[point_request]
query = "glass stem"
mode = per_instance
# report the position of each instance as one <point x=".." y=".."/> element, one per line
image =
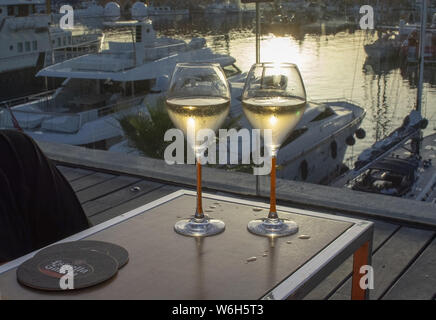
<point x="199" y="212"/>
<point x="272" y="204"/>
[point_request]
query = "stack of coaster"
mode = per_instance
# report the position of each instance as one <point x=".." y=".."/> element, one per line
<point x="72" y="265"/>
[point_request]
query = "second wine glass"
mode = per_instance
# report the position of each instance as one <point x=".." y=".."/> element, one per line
<point x="273" y="100"/>
<point x="198" y="99"/>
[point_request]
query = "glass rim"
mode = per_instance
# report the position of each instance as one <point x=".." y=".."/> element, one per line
<point x="198" y="64"/>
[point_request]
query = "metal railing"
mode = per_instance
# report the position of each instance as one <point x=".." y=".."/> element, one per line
<point x="21" y="100"/>
<point x="83" y="117"/>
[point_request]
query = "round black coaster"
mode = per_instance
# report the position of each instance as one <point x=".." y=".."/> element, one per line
<point x="43" y="271"/>
<point x="119" y="253"/>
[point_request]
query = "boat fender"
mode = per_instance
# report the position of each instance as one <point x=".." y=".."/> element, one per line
<point x="304" y="170"/>
<point x="360" y="133"/>
<point x="350" y="141"/>
<point x="334" y="149"/>
<point x="423" y="123"/>
<point x="406" y="121"/>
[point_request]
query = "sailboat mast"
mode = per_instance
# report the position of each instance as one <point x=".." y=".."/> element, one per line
<point x="421" y="54"/>
<point x="418" y="140"/>
<point x="47" y="6"/>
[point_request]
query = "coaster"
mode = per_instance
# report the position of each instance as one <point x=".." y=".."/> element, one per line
<point x="119" y="253"/>
<point x="89" y="268"/>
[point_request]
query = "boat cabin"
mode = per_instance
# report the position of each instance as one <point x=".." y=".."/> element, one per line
<point x="18" y="8"/>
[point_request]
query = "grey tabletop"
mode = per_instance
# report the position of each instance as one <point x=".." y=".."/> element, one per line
<point x="166" y="265"/>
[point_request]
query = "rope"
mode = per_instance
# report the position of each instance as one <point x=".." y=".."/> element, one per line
<point x="14" y="120"/>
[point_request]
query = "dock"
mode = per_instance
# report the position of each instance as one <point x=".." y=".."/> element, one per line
<point x="404" y="245"/>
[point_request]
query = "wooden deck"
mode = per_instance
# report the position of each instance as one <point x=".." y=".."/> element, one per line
<point x="404" y="257"/>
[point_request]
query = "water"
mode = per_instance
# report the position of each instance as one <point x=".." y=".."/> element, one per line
<point x="332" y="65"/>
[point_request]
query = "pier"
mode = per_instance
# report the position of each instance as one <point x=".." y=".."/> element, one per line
<point x="404" y="243"/>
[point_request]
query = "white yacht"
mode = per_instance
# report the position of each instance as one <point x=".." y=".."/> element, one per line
<point x="101" y="87"/>
<point x="89" y="9"/>
<point x="29" y="41"/>
<point x="315" y="151"/>
<point x="166" y="11"/>
<point x="223" y="8"/>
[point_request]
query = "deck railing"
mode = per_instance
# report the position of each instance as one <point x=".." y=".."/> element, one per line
<point x="66" y="122"/>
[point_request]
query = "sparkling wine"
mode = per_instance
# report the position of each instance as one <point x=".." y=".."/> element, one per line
<point x="280" y="114"/>
<point x="197" y="113"/>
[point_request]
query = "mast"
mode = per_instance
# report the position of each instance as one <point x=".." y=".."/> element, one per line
<point x="421" y="54"/>
<point x="47" y="6"/>
<point x="421" y="67"/>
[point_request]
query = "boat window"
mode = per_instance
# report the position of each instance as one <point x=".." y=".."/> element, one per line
<point x="23" y="10"/>
<point x="11" y="48"/>
<point x="1" y="10"/>
<point x="35" y="45"/>
<point x="20" y="47"/>
<point x="65" y="41"/>
<point x="328" y="112"/>
<point x="231" y="70"/>
<point x="27" y="46"/>
<point x="10" y="10"/>
<point x="142" y="86"/>
<point x="59" y="42"/>
<point x="294" y="135"/>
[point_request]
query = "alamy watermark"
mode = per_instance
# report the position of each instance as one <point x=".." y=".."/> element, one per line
<point x="244" y="147"/>
<point x="367" y="20"/>
<point x="367" y="280"/>
<point x="66" y="282"/>
<point x="67" y="21"/>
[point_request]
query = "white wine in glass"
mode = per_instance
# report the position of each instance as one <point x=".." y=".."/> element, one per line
<point x="198" y="98"/>
<point x="274" y="98"/>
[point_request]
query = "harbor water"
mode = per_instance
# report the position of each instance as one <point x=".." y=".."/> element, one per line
<point x="333" y="64"/>
<point x="332" y="61"/>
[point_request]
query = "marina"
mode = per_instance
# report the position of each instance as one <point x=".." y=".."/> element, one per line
<point x="351" y="113"/>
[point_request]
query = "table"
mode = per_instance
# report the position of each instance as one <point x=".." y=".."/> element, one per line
<point x="166" y="265"/>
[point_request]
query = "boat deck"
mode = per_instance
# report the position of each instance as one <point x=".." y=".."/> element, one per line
<point x="425" y="189"/>
<point x="404" y="256"/>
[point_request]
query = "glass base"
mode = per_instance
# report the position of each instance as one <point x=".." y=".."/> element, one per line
<point x="199" y="227"/>
<point x="272" y="227"/>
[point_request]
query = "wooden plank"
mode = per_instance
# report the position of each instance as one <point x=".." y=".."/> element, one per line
<point x="382" y="232"/>
<point x="419" y="281"/>
<point x="90" y="180"/>
<point x="133" y="204"/>
<point x="391" y="261"/>
<point x="105" y="188"/>
<point x="72" y="174"/>
<point x="118" y="197"/>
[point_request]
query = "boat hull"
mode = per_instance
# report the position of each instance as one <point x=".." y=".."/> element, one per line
<point x="323" y="160"/>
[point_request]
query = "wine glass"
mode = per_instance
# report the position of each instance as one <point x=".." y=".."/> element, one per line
<point x="273" y="100"/>
<point x="198" y="98"/>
